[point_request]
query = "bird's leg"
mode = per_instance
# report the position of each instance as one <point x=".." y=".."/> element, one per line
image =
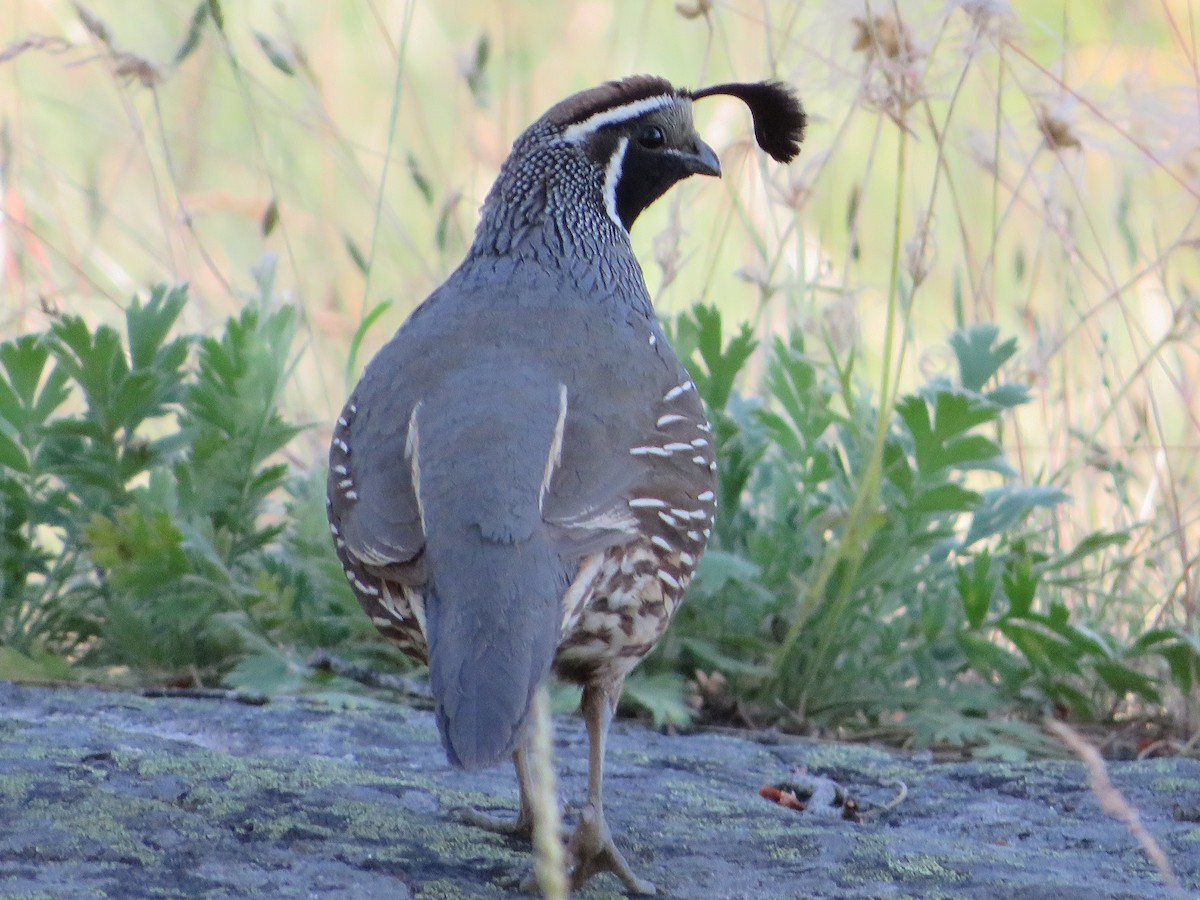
<point x="522" y="826"/>
<point x="591" y="846"/>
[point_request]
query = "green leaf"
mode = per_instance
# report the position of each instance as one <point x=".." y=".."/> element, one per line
<point x="1020" y="585"/>
<point x="269" y="671"/>
<point x="1089" y="546"/>
<point x="356" y="255"/>
<point x="1151" y="641"/>
<point x="718" y="365"/>
<point x="914" y="412"/>
<point x="1046" y="651"/>
<point x="270" y="218"/>
<point x="1007" y="396"/>
<point x="717" y="568"/>
<point x="195" y="31"/>
<point x="1007" y="506"/>
<point x="979" y="358"/>
<point x="11" y="454"/>
<point x="956" y="413"/>
<point x="279" y="57"/>
<point x="976" y="588"/>
<point x="986" y="658"/>
<point x="147" y="327"/>
<point x="973" y="451"/>
<point x="218" y="15"/>
<point x="1122" y="680"/>
<point x="710" y="657"/>
<point x="476" y="72"/>
<point x="662" y="695"/>
<point x="360" y="333"/>
<point x="40" y="666"/>
<point x="420" y="180"/>
<point x="946" y="498"/>
<point x="24" y="360"/>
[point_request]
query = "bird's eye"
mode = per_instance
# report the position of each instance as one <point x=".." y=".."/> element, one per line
<point x="651" y="137"/>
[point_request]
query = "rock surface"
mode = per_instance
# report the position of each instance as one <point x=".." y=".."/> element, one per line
<point x="118" y="795"/>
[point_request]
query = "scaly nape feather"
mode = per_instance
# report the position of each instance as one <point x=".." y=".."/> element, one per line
<point x="779" y="118"/>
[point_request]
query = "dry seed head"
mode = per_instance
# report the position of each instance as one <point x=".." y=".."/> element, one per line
<point x="892" y="78"/>
<point x="920" y="251"/>
<point x="883" y="33"/>
<point x="990" y="17"/>
<point x="1057" y="131"/>
<point x="131" y="67"/>
<point x="695" y="9"/>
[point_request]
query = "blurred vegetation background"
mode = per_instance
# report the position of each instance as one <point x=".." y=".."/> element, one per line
<point x="951" y="349"/>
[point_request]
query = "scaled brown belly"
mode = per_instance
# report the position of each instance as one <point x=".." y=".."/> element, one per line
<point x="390" y="606"/>
<point x="623" y="603"/>
<point x="619" y="607"/>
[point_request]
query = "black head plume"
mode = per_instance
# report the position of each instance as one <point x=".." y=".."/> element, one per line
<point x="779" y="118"/>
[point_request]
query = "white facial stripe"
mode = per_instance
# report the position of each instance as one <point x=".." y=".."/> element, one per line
<point x="612" y="175"/>
<point x="624" y="113"/>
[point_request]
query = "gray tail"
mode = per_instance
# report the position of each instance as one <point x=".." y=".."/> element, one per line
<point x="492" y="624"/>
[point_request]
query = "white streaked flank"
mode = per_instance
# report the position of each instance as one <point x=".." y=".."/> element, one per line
<point x="649" y="451"/>
<point x="647" y="502"/>
<point x="580" y="588"/>
<point x="677" y="391"/>
<point x="670" y="419"/>
<point x="412" y="451"/>
<point x="706" y="496"/>
<point x="667" y="578"/>
<point x="611" y="518"/>
<point x="662" y="543"/>
<point x="555" y="455"/>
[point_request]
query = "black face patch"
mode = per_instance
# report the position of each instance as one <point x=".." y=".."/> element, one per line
<point x="645" y="176"/>
<point x="660" y="149"/>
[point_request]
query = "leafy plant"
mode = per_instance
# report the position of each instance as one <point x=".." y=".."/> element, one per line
<point x="144" y="523"/>
<point x="950" y="611"/>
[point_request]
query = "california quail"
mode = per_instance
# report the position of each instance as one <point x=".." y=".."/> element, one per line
<point x="524" y="478"/>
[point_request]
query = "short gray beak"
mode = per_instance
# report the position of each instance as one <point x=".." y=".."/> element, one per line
<point x="703" y="160"/>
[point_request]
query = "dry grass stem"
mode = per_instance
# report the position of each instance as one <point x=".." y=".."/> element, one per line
<point x="549" y="859"/>
<point x="1113" y="802"/>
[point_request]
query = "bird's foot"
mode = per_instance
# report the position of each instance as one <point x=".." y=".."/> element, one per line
<point x="521" y="827"/>
<point x="592" y="851"/>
